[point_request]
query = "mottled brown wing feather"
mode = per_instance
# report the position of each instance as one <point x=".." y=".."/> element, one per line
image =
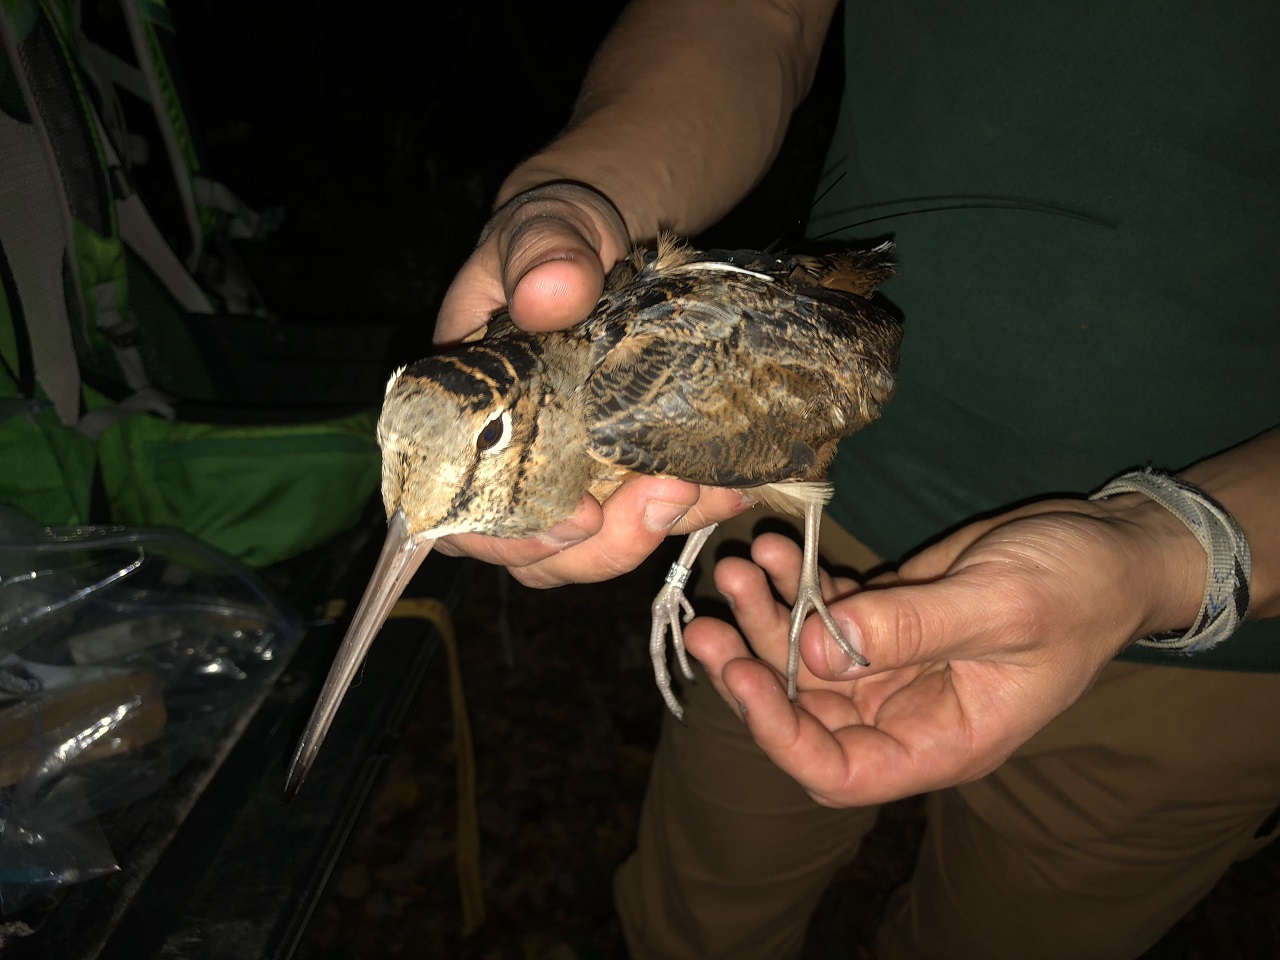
<point x="725" y="379"/>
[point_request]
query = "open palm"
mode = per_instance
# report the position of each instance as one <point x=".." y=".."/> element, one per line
<point x="975" y="644"/>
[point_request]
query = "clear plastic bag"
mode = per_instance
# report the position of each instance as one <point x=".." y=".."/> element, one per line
<point x="123" y="652"/>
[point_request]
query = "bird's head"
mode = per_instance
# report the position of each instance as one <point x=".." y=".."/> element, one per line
<point x="453" y="430"/>
<point x="452" y="442"/>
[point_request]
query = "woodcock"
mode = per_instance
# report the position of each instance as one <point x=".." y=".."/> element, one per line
<point x="731" y="369"/>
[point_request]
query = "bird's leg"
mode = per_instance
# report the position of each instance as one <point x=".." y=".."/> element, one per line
<point x="667" y="608"/>
<point x="809" y="597"/>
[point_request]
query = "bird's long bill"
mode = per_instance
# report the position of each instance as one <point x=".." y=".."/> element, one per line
<point x="400" y="558"/>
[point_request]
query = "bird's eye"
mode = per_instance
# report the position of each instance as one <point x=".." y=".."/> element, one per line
<point x="491" y="434"/>
<point x="494" y="434"/>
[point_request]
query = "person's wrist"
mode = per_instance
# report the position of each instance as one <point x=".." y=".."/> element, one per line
<point x="1167" y="560"/>
<point x="1225" y="595"/>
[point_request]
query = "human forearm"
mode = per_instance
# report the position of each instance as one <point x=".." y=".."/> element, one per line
<point x="684" y="108"/>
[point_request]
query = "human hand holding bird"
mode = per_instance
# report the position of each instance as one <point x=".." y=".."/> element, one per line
<point x="544" y="257"/>
<point x="735" y="370"/>
<point x="976" y="643"/>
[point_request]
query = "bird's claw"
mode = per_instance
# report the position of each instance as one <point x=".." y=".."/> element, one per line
<point x="670" y="608"/>
<point x="667" y="608"/>
<point x="809" y="597"/>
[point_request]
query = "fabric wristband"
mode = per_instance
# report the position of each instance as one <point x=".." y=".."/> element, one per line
<point x="1229" y="564"/>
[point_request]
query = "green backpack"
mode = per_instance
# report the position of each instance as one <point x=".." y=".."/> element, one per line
<point x="142" y="379"/>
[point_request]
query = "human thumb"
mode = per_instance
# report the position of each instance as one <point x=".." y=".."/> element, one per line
<point x="552" y="275"/>
<point x="897" y="625"/>
<point x="554" y="246"/>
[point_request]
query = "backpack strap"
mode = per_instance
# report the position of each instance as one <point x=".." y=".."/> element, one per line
<point x="69" y="267"/>
<point x="142" y="17"/>
<point x="149" y="400"/>
<point x="210" y="213"/>
<point x="34" y="232"/>
<point x="140" y="231"/>
<point x="16" y="363"/>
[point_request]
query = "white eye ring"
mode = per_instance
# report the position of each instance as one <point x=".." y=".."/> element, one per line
<point x="495" y="434"/>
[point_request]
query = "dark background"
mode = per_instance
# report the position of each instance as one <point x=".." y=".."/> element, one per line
<point x="384" y="141"/>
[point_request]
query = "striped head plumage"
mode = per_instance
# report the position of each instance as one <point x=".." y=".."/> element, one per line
<point x="478" y="440"/>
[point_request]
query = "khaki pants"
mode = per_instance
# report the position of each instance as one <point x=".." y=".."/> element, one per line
<point x="1090" y="842"/>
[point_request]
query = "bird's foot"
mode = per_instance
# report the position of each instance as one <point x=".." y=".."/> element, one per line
<point x="809" y="598"/>
<point x="670" y="610"/>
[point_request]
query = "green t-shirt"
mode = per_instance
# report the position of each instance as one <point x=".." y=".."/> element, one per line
<point x="1104" y="292"/>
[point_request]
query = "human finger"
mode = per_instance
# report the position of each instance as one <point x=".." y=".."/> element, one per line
<point x="635" y="520"/>
<point x="764" y="623"/>
<point x="585" y="521"/>
<point x="714" y="505"/>
<point x="544" y="254"/>
<point x="715" y="643"/>
<point x="827" y="746"/>
<point x="761" y="619"/>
